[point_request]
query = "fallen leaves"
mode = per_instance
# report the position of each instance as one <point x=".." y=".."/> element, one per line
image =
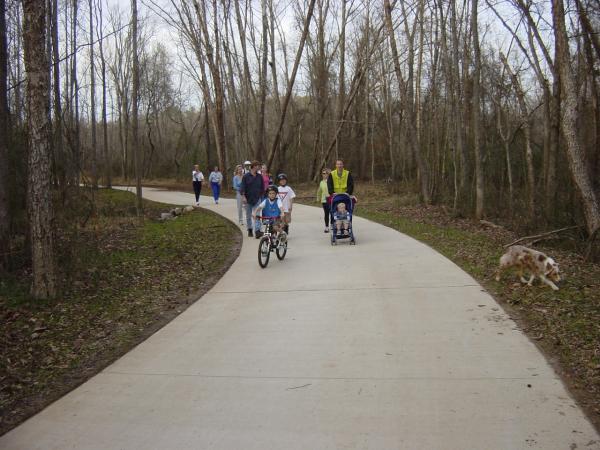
<point x="121" y="282"/>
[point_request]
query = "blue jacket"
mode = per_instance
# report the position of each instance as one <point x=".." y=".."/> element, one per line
<point x="270" y="208"/>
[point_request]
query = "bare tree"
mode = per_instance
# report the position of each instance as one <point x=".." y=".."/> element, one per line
<point x="290" y="85"/>
<point x="260" y="129"/>
<point x="525" y="120"/>
<point x="135" y="109"/>
<point x="476" y="106"/>
<point x="75" y="125"/>
<point x="93" y="97"/>
<point x="60" y="158"/>
<point x="4" y="113"/>
<point x="407" y="89"/>
<point x="569" y="116"/>
<point x="106" y="156"/>
<point x="40" y="209"/>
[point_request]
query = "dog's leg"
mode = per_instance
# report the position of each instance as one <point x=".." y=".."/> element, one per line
<point x="549" y="282"/>
<point x="498" y="273"/>
<point x="530" y="282"/>
<point x="521" y="277"/>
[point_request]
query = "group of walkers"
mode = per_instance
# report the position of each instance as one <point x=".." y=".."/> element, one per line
<point x="252" y="184"/>
<point x="215" y="179"/>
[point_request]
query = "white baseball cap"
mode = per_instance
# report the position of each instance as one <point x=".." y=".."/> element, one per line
<point x="247" y="163"/>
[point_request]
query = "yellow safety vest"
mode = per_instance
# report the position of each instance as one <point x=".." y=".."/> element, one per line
<point x="340" y="184"/>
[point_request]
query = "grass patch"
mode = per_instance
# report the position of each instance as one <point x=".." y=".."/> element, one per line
<point x="122" y="280"/>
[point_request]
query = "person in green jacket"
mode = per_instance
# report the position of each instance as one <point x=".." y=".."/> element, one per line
<point x="322" y="194"/>
<point x="340" y="180"/>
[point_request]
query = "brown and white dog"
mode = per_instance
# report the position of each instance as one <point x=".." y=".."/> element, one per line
<point x="532" y="261"/>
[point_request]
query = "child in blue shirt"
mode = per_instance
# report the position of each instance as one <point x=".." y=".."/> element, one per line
<point x="270" y="207"/>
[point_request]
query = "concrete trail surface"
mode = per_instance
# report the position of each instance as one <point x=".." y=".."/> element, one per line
<point x="382" y="345"/>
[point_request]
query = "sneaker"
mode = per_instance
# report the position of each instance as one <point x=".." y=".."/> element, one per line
<point x="326" y="230"/>
<point x="258" y="234"/>
<point x="345" y="232"/>
<point x="249" y="232"/>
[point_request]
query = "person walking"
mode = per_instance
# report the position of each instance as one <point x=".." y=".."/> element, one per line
<point x="340" y="180"/>
<point x="216" y="178"/>
<point x="252" y="192"/>
<point x="267" y="179"/>
<point x="323" y="197"/>
<point x="197" y="179"/>
<point x="287" y="195"/>
<point x="237" y="184"/>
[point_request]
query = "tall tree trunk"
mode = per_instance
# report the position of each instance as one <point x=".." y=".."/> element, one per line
<point x="39" y="198"/>
<point x="93" y="98"/>
<point x="105" y="155"/>
<point x="59" y="152"/>
<point x="409" y="104"/>
<point x="342" y="74"/>
<point x="575" y="154"/>
<point x="213" y="59"/>
<point x="134" y="109"/>
<point x="527" y="134"/>
<point x="505" y="137"/>
<point x="207" y="136"/>
<point x="4" y="112"/>
<point x="273" y="63"/>
<point x="458" y="107"/>
<point x="76" y="129"/>
<point x="260" y="138"/>
<point x="479" y="177"/>
<point x="290" y="85"/>
<point x="248" y="89"/>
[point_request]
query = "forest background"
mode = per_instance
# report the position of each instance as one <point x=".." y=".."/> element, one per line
<point x="487" y="107"/>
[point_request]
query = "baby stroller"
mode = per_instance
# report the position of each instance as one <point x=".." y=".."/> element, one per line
<point x="350" y="203"/>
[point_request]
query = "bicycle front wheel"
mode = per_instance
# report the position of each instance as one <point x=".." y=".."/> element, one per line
<point x="264" y="251"/>
<point x="281" y="250"/>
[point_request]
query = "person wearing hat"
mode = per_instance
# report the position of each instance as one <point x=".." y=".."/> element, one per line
<point x="247" y="165"/>
<point x="287" y="195"/>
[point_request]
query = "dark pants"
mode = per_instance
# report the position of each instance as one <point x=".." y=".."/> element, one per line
<point x="197" y="189"/>
<point x="216" y="188"/>
<point x="326" y="209"/>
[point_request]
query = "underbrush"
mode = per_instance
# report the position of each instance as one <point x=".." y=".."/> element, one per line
<point x="122" y="279"/>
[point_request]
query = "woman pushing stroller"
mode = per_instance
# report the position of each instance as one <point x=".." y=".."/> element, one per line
<point x="341" y="186"/>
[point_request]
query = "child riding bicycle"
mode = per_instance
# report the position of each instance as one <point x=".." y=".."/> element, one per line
<point x="271" y="208"/>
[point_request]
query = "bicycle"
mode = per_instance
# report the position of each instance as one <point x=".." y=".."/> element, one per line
<point x="271" y="241"/>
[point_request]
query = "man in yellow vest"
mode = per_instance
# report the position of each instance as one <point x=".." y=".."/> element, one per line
<point x="340" y="180"/>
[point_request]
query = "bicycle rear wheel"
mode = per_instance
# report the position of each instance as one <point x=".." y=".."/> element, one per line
<point x="264" y="251"/>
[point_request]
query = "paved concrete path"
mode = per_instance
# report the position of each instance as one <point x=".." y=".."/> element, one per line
<point x="385" y="345"/>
